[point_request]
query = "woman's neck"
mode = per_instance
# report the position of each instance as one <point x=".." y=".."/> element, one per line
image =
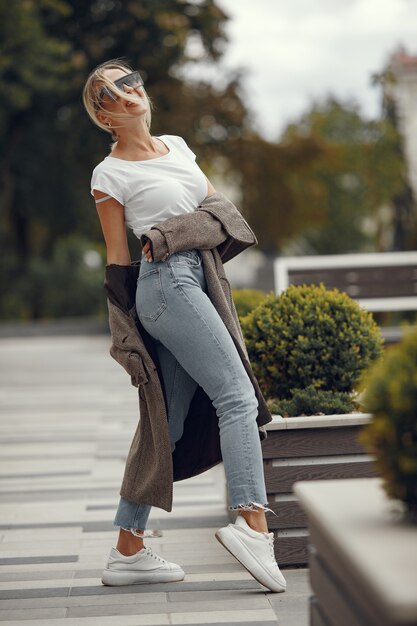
<point x="136" y="141"/>
<point x="138" y="148"/>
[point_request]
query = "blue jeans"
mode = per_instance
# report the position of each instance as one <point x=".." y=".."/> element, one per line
<point x="195" y="348"/>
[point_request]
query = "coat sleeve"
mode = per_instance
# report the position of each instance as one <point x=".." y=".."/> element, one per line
<point x="216" y="223"/>
<point x="124" y="344"/>
<point x="127" y="345"/>
<point x="193" y="230"/>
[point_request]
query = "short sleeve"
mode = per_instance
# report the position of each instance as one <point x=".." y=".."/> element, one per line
<point x="185" y="148"/>
<point x="109" y="182"/>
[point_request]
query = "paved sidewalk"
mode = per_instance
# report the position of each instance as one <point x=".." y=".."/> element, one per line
<point x="68" y="412"/>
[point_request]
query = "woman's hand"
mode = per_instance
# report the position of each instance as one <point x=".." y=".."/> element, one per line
<point x="147" y="251"/>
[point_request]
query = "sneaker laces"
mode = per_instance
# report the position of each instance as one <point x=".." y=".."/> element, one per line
<point x="151" y="553"/>
<point x="271" y="547"/>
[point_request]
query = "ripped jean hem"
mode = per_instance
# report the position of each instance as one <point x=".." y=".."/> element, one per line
<point x="250" y="507"/>
<point x="134" y="531"/>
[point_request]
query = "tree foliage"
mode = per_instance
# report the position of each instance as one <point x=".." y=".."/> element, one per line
<point x="279" y="195"/>
<point x="49" y="144"/>
<point x="330" y="170"/>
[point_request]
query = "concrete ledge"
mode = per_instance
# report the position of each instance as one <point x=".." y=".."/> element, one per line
<point x="367" y="550"/>
<point x="318" y="421"/>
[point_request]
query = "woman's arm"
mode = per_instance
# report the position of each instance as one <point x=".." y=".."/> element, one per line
<point x="112" y="219"/>
<point x="210" y="188"/>
<point x="111" y="214"/>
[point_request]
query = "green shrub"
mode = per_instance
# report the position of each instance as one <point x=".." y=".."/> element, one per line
<point x="312" y="401"/>
<point x="62" y="286"/>
<point x="309" y="335"/>
<point x="246" y="300"/>
<point x="389" y="392"/>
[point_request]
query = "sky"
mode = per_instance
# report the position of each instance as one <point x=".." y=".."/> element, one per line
<point x="294" y="51"/>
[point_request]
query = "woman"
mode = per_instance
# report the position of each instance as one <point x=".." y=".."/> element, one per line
<point x="146" y="180"/>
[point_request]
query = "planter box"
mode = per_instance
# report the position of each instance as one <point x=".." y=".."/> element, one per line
<point x="307" y="448"/>
<point x="362" y="554"/>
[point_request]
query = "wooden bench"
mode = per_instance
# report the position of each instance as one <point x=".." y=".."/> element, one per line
<point x="378" y="281"/>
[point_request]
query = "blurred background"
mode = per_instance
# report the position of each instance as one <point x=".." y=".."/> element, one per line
<point x="303" y="113"/>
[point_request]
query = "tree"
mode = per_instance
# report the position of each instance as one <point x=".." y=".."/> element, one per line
<point x="330" y="171"/>
<point x="279" y="196"/>
<point x="50" y="146"/>
<point x="33" y="65"/>
<point x="392" y="148"/>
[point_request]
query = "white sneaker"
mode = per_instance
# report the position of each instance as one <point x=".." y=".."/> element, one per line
<point x="143" y="567"/>
<point x="255" y="550"/>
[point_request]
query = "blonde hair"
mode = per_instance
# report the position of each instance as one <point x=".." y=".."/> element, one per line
<point x="91" y="95"/>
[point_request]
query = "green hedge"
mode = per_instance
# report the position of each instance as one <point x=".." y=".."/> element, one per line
<point x="65" y="285"/>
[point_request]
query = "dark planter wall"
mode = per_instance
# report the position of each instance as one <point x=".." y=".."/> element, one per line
<point x="290" y="455"/>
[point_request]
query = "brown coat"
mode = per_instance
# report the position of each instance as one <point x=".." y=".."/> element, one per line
<point x="220" y="232"/>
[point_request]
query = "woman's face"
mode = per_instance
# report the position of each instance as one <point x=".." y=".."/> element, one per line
<point x="135" y="109"/>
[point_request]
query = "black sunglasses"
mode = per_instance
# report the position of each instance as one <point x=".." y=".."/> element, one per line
<point x="131" y="80"/>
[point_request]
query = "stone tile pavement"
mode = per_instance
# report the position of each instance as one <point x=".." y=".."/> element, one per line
<point x="68" y="412"/>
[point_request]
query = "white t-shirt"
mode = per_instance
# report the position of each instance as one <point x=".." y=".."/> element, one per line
<point x="153" y="190"/>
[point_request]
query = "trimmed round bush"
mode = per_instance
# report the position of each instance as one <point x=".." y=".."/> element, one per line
<point x="389" y="392"/>
<point x="310" y="335"/>
<point x="246" y="300"/>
